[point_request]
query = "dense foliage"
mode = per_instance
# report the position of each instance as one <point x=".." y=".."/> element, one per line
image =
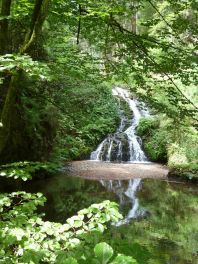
<point x="26" y="238"/>
<point x="166" y="143"/>
<point x="58" y="63"/>
<point x="56" y="93"/>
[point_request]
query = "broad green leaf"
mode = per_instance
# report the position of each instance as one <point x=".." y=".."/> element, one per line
<point x="63" y="259"/>
<point x="103" y="252"/>
<point x="121" y="259"/>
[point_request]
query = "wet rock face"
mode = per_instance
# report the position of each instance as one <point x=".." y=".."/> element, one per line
<point x="125" y="155"/>
<point x="116" y="148"/>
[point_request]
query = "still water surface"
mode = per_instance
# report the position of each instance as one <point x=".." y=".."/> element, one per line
<point x="164" y="231"/>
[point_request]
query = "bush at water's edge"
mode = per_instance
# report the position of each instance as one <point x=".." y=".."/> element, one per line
<point x="173" y="144"/>
<point x="153" y="138"/>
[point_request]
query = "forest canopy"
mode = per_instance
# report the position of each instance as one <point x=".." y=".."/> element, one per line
<point x="59" y="62"/>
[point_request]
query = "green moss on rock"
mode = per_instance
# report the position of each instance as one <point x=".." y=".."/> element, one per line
<point x="154" y="139"/>
<point x="188" y="171"/>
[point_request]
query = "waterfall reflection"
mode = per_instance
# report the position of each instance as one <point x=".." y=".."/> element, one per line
<point x="126" y="192"/>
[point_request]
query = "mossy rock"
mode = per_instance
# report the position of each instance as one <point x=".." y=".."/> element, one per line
<point x="153" y="139"/>
<point x="176" y="155"/>
<point x="147" y="125"/>
<point x="125" y="109"/>
<point x="184" y="174"/>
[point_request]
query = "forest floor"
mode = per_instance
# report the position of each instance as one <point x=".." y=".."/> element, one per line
<point x="97" y="170"/>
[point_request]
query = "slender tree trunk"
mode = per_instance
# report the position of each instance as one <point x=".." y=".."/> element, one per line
<point x="39" y="15"/>
<point x="134" y="23"/>
<point x="79" y="26"/>
<point x="134" y="19"/>
<point x="4" y="29"/>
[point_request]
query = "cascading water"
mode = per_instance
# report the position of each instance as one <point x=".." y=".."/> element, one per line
<point x="124" y="145"/>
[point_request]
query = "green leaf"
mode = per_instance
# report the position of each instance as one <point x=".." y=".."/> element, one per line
<point x="121" y="259"/>
<point x="103" y="252"/>
<point x="101" y="227"/>
<point x="62" y="259"/>
<point x="78" y="223"/>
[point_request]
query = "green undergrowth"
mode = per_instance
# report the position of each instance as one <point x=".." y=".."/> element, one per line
<point x="172" y="143"/>
<point x="82" y="95"/>
<point x="27" y="170"/>
<point x="154" y="139"/>
<point x="92" y="113"/>
<point x="67" y="120"/>
<point x="187" y="171"/>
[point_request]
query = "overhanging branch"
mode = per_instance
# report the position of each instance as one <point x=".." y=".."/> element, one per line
<point x="144" y="50"/>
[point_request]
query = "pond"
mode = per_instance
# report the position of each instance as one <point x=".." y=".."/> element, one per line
<point x="162" y="229"/>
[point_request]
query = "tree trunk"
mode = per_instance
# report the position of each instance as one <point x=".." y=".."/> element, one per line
<point x="4" y="29"/>
<point x="39" y="15"/>
<point x="11" y="121"/>
<point x="134" y="23"/>
<point x="134" y="19"/>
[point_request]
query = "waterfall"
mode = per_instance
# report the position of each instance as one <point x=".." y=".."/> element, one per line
<point x="127" y="196"/>
<point x="95" y="155"/>
<point x="124" y="144"/>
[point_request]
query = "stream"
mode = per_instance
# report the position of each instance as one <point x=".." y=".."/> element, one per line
<point x="160" y="218"/>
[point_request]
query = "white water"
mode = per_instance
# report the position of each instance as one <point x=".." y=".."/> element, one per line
<point x="95" y="155"/>
<point x="111" y="149"/>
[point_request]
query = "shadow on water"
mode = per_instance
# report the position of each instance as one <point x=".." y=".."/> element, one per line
<point x="163" y="228"/>
<point x="65" y="195"/>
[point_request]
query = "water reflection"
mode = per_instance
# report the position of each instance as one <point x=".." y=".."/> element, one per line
<point x="169" y="233"/>
<point x="126" y="192"/>
<point x="166" y="234"/>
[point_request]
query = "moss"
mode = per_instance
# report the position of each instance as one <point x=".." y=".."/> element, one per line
<point x="29" y="123"/>
<point x="146" y="126"/>
<point x="10" y="132"/>
<point x="177" y="155"/>
<point x="188" y="171"/>
<point x="154" y="139"/>
<point x="172" y="144"/>
<point x="124" y="107"/>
